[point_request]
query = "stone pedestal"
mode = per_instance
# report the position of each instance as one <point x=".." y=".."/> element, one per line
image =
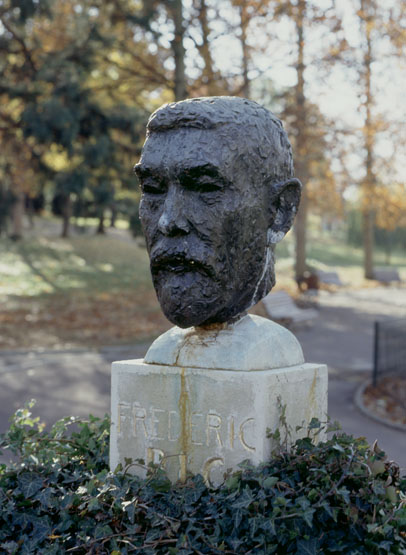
<point x="192" y="417"/>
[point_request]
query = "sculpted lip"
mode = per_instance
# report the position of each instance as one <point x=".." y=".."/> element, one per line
<point x="179" y="264"/>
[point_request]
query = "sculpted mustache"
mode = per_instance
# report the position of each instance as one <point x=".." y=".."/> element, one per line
<point x="181" y="261"/>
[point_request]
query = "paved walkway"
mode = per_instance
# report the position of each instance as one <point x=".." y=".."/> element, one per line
<point x="342" y="337"/>
<point x="78" y="382"/>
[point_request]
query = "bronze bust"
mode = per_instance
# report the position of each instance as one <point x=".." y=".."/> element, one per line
<point x="218" y="193"/>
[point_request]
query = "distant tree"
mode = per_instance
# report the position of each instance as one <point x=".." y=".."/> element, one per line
<point x="148" y="52"/>
<point x="175" y="9"/>
<point x="378" y="22"/>
<point x="305" y="16"/>
<point x="199" y="29"/>
<point x="76" y="137"/>
<point x="243" y="22"/>
<point x="367" y="15"/>
<point x="390" y="207"/>
<point x="324" y="192"/>
<point x="6" y="202"/>
<point x="245" y="16"/>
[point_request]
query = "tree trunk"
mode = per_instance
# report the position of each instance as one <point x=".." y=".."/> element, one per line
<point x="301" y="235"/>
<point x="244" y="19"/>
<point x="212" y="87"/>
<point x="178" y="51"/>
<point x="368" y="241"/>
<point x="66" y="214"/>
<point x="100" y="227"/>
<point x="301" y="145"/>
<point x="368" y="191"/>
<point x="113" y="216"/>
<point x="388" y="248"/>
<point x="30" y="210"/>
<point x="17" y="213"/>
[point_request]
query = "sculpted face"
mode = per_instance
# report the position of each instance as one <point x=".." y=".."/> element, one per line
<point x="207" y="221"/>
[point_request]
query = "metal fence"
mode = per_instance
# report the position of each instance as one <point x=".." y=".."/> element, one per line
<point x="389" y="348"/>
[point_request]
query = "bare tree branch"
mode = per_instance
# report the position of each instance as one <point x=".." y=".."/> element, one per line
<point x="21" y="42"/>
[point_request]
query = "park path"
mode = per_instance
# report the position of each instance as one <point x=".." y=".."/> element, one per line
<point x="342" y="337"/>
<point x="77" y="382"/>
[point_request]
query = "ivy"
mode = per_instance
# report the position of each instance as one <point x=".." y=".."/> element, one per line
<point x="58" y="496"/>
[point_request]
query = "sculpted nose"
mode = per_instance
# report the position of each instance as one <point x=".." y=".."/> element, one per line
<point x="173" y="219"/>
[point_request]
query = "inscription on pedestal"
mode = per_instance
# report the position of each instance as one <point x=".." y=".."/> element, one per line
<point x="200" y="421"/>
<point x="159" y="433"/>
<point x="209" y="429"/>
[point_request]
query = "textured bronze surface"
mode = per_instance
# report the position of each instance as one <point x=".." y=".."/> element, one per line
<point x="217" y="193"/>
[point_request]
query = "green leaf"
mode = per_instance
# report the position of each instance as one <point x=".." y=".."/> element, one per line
<point x="308" y="516"/>
<point x="30" y="483"/>
<point x="102" y="531"/>
<point x="130" y="510"/>
<point x="270" y="482"/>
<point x="244" y="500"/>
<point x="386" y="546"/>
<point x="281" y="501"/>
<point x="237" y="517"/>
<point x="313" y="494"/>
<point x="254" y="525"/>
<point x="232" y="482"/>
<point x="93" y="504"/>
<point x="269" y="527"/>
<point x="314" y="423"/>
<point x="377" y="467"/>
<point x="391" y="494"/>
<point x="307" y="547"/>
<point x="41" y="528"/>
<point x="344" y="493"/>
<point x="9" y="547"/>
<point x="161" y="484"/>
<point x="23" y="520"/>
<point x="44" y="497"/>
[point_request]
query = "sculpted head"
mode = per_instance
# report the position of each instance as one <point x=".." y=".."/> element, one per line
<point x="218" y="193"/>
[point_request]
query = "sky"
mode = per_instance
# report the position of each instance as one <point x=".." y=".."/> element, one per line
<point x="335" y="89"/>
<point x="337" y="92"/>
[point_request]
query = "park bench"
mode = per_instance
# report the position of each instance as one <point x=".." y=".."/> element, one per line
<point x="329" y="278"/>
<point x="386" y="275"/>
<point x="280" y="306"/>
<point x="308" y="283"/>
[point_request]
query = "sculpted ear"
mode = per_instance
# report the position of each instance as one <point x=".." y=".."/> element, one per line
<point x="283" y="206"/>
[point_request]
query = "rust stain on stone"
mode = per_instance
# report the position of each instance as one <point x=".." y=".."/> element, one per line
<point x="185" y="430"/>
<point x="312" y="392"/>
<point x="311" y="406"/>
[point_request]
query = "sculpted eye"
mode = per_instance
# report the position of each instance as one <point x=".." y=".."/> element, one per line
<point x="202" y="184"/>
<point x="152" y="186"/>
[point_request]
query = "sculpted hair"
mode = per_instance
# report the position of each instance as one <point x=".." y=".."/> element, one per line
<point x="244" y="125"/>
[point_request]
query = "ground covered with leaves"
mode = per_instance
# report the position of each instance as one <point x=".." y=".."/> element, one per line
<point x="387" y="399"/>
<point x="59" y="497"/>
<point x="83" y="291"/>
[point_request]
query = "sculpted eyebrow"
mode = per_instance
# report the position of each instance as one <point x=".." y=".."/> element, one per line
<point x="144" y="171"/>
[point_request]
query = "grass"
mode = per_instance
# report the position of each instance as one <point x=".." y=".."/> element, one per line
<point x="325" y="252"/>
<point x="85" y="290"/>
<point x="333" y="253"/>
<point x="88" y="263"/>
<point x="92" y="290"/>
<point x="93" y="222"/>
